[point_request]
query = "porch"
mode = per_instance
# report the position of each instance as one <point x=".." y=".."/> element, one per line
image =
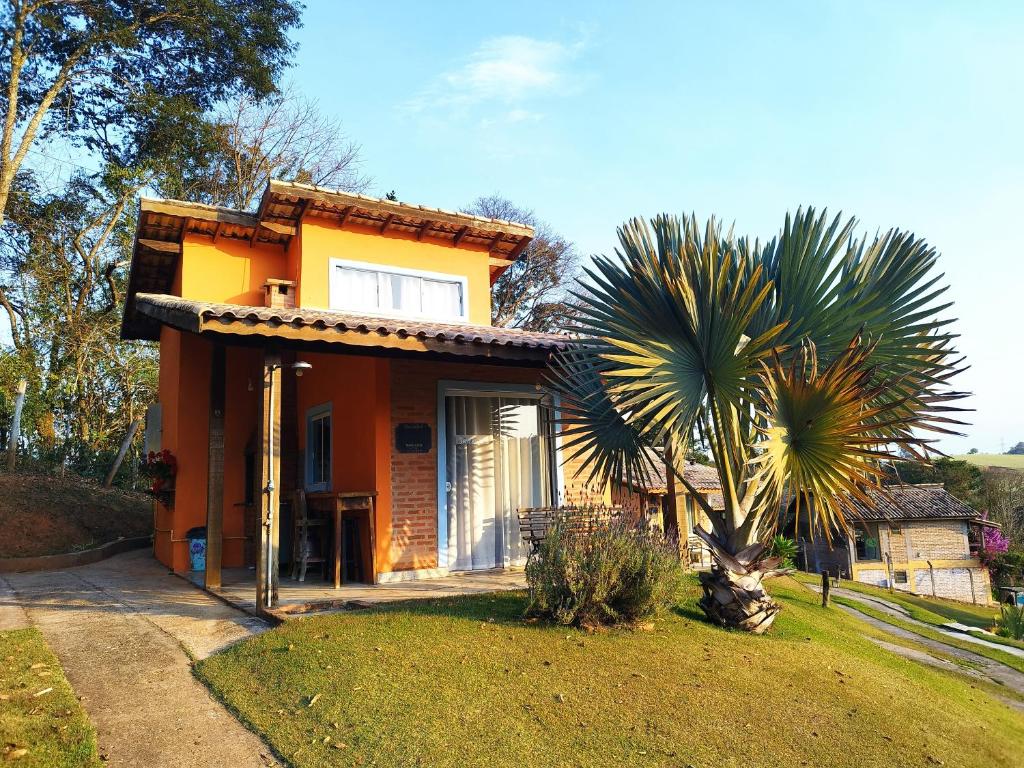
<point x="238" y="587"/>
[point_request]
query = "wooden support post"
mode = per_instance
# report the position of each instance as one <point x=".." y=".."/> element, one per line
<point x="215" y="471"/>
<point x="270" y="483"/>
<point x="826" y="587"/>
<point x="12" y="445"/>
<point x="669" y="512"/>
<point x="125" y="445"/>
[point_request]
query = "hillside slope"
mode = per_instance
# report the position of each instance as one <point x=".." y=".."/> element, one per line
<point x="44" y="515"/>
<point x="1002" y="460"/>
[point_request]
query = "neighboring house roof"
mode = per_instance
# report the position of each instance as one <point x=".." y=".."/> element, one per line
<point x="163" y="224"/>
<point x="350" y="330"/>
<point x="913" y="502"/>
<point x="701" y="477"/>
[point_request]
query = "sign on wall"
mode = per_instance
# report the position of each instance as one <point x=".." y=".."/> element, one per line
<point x="413" y="438"/>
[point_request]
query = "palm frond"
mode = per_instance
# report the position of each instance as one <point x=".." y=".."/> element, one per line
<point x="593" y="425"/>
<point x="826" y="430"/>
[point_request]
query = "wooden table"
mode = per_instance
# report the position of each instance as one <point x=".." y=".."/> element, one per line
<point x="347" y="502"/>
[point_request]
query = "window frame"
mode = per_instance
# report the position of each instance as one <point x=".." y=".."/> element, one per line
<point x="317" y="412"/>
<point x="334" y="289"/>
<point x="866" y="527"/>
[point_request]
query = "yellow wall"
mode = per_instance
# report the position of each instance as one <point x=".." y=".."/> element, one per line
<point x="228" y="271"/>
<point x="322" y="241"/>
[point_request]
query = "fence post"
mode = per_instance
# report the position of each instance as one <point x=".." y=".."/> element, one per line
<point x="826" y="586"/>
<point x="125" y="445"/>
<point x="12" y="445"/>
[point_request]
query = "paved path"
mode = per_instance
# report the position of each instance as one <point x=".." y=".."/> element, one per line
<point x="993" y="670"/>
<point x="124" y="630"/>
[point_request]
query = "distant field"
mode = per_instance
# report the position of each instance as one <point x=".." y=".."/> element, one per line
<point x="994" y="460"/>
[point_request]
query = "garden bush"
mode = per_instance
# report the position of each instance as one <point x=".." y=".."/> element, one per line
<point x="1011" y="621"/>
<point x="615" y="574"/>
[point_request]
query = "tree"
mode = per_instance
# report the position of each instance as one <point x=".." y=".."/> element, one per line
<point x="1002" y="497"/>
<point x="972" y="452"/>
<point x="248" y="142"/>
<point x="126" y="78"/>
<point x="59" y="258"/>
<point x="1017" y="450"/>
<point x="962" y="479"/>
<point x="531" y="293"/>
<point x="804" y="362"/>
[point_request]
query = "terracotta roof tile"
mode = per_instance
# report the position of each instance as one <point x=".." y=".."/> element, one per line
<point x="338" y="325"/>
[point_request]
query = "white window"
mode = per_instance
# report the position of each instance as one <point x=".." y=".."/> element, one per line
<point x="318" y="448"/>
<point x="371" y="288"/>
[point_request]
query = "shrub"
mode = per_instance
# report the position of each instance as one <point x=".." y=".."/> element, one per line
<point x="784" y="548"/>
<point x="1007" y="568"/>
<point x="615" y="574"/>
<point x="1011" y="621"/>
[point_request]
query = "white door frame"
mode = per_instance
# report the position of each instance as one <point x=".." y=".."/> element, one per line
<point x="447" y="388"/>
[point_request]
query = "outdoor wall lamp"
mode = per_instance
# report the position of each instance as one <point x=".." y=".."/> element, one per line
<point x="300" y="367"/>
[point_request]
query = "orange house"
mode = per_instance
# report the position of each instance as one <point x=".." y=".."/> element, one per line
<point x="341" y="345"/>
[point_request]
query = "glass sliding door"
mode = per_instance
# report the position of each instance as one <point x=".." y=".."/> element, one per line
<point x="500" y="458"/>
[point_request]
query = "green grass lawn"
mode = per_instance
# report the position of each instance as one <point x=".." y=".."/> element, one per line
<point x="49" y="725"/>
<point x="464" y="682"/>
<point x="930" y="610"/>
<point x="994" y="460"/>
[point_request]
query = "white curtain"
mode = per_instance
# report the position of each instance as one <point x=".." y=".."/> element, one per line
<point x="355" y="289"/>
<point x="399" y="293"/>
<point x="499" y="461"/>
<point x="442" y="299"/>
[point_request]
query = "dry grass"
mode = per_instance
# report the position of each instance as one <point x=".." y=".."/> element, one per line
<point x="49" y="515"/>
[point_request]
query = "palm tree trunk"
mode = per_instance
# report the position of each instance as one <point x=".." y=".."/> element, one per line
<point x="737" y="600"/>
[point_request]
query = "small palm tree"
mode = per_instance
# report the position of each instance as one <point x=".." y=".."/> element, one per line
<point x="802" y="363"/>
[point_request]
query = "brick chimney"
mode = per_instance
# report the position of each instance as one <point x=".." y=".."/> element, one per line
<point x="279" y="294"/>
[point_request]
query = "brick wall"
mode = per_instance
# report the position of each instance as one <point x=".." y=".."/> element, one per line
<point x="936" y="540"/>
<point x="414" y="475"/>
<point x="955" y="584"/>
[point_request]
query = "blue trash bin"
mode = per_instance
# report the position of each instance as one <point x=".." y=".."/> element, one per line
<point x="197" y="548"/>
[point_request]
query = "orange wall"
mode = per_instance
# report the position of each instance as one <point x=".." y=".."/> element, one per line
<point x="322" y="241"/>
<point x="358" y="390"/>
<point x="241" y="420"/>
<point x="185" y="396"/>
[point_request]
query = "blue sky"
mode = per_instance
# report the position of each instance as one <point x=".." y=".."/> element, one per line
<point x="903" y="114"/>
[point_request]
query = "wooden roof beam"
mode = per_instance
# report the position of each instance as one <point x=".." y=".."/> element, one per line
<point x="387" y="222"/>
<point x="459" y="235"/>
<point x="516" y="252"/>
<point x="424" y="228"/>
<point x="163" y="246"/>
<point x="280" y="229"/>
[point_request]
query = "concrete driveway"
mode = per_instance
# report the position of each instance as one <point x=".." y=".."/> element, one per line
<point x="126" y="632"/>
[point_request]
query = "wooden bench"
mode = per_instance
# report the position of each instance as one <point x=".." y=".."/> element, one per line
<point x="535" y="522"/>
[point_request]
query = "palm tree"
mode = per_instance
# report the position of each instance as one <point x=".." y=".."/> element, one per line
<point x="803" y="363"/>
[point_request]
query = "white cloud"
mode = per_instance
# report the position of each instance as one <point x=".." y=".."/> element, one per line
<point x="509" y="71"/>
